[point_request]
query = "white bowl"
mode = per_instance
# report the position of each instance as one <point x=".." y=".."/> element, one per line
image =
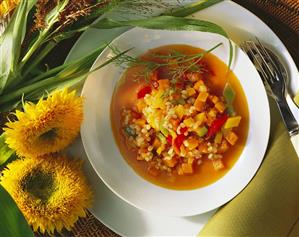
<point x="112" y="168"/>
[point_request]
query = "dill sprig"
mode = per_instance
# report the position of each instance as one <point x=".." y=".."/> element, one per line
<point x="178" y="63"/>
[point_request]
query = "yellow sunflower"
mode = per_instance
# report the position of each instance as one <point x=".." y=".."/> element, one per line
<point x="7" y="5"/>
<point x="52" y="192"/>
<point x="46" y="127"/>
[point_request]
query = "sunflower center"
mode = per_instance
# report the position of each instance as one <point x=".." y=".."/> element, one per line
<point x="49" y="135"/>
<point x="39" y="184"/>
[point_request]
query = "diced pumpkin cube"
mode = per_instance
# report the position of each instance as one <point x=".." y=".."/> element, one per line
<point x="223" y="147"/>
<point x="192" y="143"/>
<point x="163" y="84"/>
<point x="218" y="164"/>
<point x="198" y="84"/>
<point x="202" y="96"/>
<point x="203" y="147"/>
<point x="199" y="105"/>
<point x="201" y="131"/>
<point x="203" y="88"/>
<point x="188" y="122"/>
<point x="140" y="122"/>
<point x="212" y="113"/>
<point x="201" y="118"/>
<point x="156" y="143"/>
<point x="220" y="106"/>
<point x="218" y="138"/>
<point x="232" y="122"/>
<point x="191" y="91"/>
<point x="174" y="123"/>
<point x="170" y="162"/>
<point x="180" y="111"/>
<point x="187" y="168"/>
<point x="215" y="99"/>
<point x="231" y="137"/>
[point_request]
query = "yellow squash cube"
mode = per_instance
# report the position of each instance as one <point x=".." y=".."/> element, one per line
<point x="188" y="122"/>
<point x="180" y="111"/>
<point x="231" y="137"/>
<point x="202" y="96"/>
<point x="220" y="106"/>
<point x="232" y="122"/>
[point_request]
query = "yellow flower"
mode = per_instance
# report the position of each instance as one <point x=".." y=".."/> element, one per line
<point x="47" y="127"/>
<point x="52" y="192"/>
<point x="7" y="5"/>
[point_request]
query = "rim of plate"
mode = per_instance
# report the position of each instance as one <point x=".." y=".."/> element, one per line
<point x="87" y="139"/>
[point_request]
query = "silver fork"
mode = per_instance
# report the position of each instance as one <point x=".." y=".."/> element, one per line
<point x="274" y="77"/>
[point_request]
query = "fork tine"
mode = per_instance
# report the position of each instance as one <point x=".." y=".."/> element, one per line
<point x="265" y="65"/>
<point x="248" y="47"/>
<point x="267" y="54"/>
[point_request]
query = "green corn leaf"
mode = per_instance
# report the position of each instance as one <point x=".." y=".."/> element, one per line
<point x="12" y="220"/>
<point x="11" y="41"/>
<point x="5" y="151"/>
<point x="168" y="23"/>
<point x="192" y="8"/>
<point x="69" y="76"/>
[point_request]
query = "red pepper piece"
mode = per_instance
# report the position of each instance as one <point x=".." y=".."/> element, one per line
<point x="169" y="139"/>
<point x="184" y="76"/>
<point x="179" y="85"/>
<point x="136" y="115"/>
<point x="216" y="125"/>
<point x="145" y="90"/>
<point x="183" y="130"/>
<point x="178" y="141"/>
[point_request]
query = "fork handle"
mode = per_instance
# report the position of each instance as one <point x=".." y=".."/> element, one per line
<point x="288" y="118"/>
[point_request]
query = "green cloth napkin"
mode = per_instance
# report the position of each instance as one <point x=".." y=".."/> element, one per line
<point x="269" y="205"/>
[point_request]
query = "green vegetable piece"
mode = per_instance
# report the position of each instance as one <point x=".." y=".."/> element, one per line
<point x="162" y="138"/>
<point x="229" y="95"/>
<point x="201" y="131"/>
<point x="163" y="130"/>
<point x="130" y="131"/>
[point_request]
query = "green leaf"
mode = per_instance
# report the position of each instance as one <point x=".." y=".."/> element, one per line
<point x="5" y="151"/>
<point x="168" y="23"/>
<point x="69" y="76"/>
<point x="164" y="23"/>
<point x="192" y="8"/>
<point x="12" y="220"/>
<point x="11" y="41"/>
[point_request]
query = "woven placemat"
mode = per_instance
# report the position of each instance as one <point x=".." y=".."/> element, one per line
<point x="283" y="17"/>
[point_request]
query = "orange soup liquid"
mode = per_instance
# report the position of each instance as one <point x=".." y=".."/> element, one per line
<point x="125" y="96"/>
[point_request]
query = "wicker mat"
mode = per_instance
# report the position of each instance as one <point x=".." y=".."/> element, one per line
<point x="283" y="17"/>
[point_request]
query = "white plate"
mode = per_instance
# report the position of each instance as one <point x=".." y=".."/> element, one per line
<point x="104" y="155"/>
<point x="122" y="217"/>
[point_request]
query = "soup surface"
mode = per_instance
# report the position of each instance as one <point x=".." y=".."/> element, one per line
<point x="179" y="117"/>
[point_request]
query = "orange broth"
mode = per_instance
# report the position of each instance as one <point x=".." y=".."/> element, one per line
<point x="125" y="96"/>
